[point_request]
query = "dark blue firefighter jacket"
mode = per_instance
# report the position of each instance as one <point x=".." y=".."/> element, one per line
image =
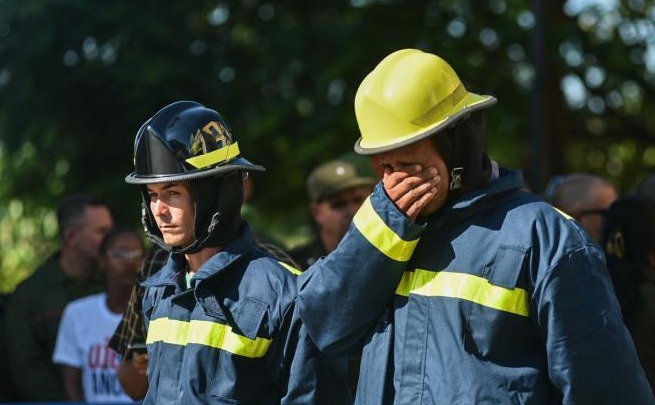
<point x="504" y="300"/>
<point x="234" y="337"/>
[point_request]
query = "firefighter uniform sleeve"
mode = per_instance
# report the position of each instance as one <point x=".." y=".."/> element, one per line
<point x="307" y="375"/>
<point x="581" y="325"/>
<point x="341" y="296"/>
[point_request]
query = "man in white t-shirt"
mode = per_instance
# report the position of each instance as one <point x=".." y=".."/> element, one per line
<point x="88" y="365"/>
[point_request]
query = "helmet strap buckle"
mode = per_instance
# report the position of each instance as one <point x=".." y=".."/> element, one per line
<point x="214" y="222"/>
<point x="456" y="178"/>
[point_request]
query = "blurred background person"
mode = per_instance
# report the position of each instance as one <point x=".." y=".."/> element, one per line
<point x="89" y="368"/>
<point x="265" y="240"/>
<point x="336" y="190"/>
<point x="629" y="241"/>
<point x="585" y="197"/>
<point x="35" y="307"/>
<point x="131" y="332"/>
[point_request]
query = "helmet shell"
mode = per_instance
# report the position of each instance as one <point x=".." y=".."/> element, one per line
<point x="185" y="141"/>
<point x="409" y="96"/>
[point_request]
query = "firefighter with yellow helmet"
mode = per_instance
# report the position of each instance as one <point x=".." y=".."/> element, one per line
<point x="486" y="294"/>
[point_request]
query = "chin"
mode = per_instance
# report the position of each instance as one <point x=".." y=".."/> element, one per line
<point x="432" y="207"/>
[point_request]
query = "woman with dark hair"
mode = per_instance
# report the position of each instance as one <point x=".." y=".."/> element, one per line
<point x="89" y="367"/>
<point x="629" y="242"/>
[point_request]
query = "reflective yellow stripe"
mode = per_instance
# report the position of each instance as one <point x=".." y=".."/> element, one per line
<point x="564" y="214"/>
<point x="464" y="286"/>
<point x="369" y="224"/>
<point x="217" y="156"/>
<point x="291" y="268"/>
<point x="207" y="334"/>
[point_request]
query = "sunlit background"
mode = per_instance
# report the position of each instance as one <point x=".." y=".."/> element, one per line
<point x="574" y="79"/>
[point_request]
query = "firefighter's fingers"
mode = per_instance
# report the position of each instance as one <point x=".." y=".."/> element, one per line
<point x="395" y="178"/>
<point x="416" y="198"/>
<point x="403" y="180"/>
<point x="413" y="187"/>
<point x="419" y="204"/>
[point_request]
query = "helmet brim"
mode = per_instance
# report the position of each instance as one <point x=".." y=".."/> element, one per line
<point x="239" y="164"/>
<point x="472" y="102"/>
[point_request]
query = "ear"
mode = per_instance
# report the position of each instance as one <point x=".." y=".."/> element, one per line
<point x="69" y="234"/>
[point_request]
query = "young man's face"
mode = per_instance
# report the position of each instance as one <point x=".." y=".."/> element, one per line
<point x="423" y="152"/>
<point x="173" y="207"/>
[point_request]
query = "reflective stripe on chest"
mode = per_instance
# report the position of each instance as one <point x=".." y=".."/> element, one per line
<point x="466" y="287"/>
<point x="205" y="333"/>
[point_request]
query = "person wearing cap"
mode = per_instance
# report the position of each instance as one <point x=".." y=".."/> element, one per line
<point x="221" y="319"/>
<point x="500" y="298"/>
<point x="336" y="191"/>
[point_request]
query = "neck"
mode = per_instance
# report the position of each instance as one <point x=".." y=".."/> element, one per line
<point x="329" y="241"/>
<point x="117" y="298"/>
<point x="195" y="260"/>
<point x="76" y="266"/>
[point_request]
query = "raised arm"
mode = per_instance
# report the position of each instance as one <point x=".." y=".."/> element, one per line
<point x="342" y="295"/>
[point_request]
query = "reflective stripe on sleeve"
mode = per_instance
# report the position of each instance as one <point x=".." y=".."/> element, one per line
<point x="291" y="268"/>
<point x="466" y="287"/>
<point x="564" y="214"/>
<point x="217" y="156"/>
<point x="373" y="228"/>
<point x="205" y="333"/>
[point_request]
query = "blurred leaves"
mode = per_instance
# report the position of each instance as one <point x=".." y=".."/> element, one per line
<point x="78" y="78"/>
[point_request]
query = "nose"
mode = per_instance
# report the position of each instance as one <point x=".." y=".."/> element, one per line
<point x="158" y="208"/>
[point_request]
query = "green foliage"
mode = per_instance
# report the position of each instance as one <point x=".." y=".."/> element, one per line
<point x="78" y="78"/>
<point x="27" y="237"/>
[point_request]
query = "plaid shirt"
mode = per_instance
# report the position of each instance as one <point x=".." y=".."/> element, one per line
<point x="131" y="328"/>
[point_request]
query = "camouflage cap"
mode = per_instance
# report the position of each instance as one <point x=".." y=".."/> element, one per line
<point x="333" y="177"/>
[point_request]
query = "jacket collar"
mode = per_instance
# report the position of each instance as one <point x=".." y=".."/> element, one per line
<point x="479" y="200"/>
<point x="507" y="180"/>
<point x="176" y="266"/>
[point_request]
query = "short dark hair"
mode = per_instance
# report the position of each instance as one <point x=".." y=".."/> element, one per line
<point x="73" y="207"/>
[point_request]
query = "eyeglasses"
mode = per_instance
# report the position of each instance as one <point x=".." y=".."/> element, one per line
<point x="124" y="254"/>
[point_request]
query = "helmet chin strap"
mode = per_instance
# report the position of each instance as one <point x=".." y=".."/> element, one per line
<point x="195" y="247"/>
